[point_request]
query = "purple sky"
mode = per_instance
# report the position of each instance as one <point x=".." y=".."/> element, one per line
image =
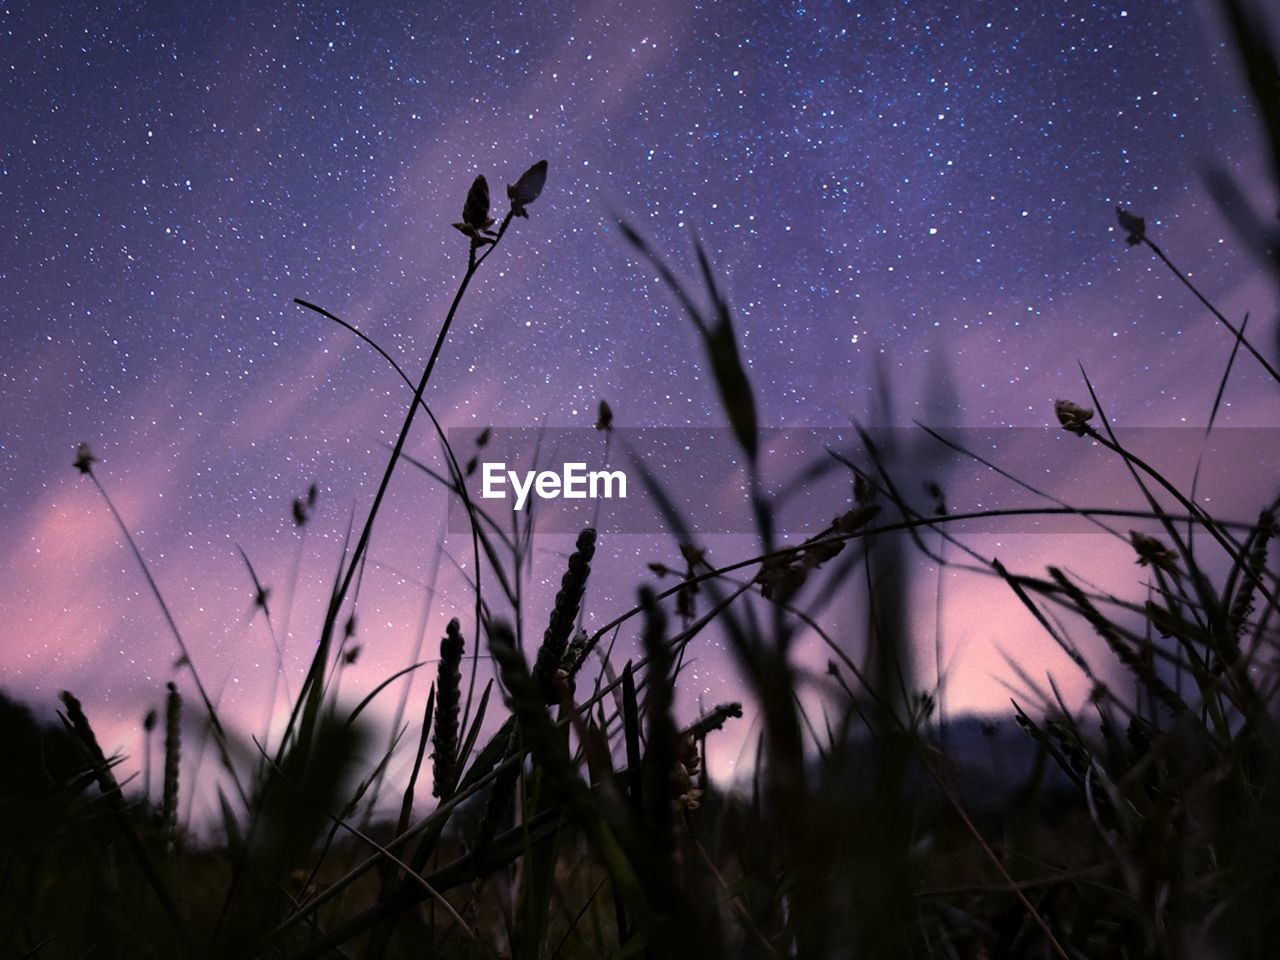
<point x="875" y="187"/>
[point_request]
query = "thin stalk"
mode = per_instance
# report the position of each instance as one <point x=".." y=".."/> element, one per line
<point x="312" y="682"/>
<point x="1239" y="334"/>
<point x="215" y="724"/>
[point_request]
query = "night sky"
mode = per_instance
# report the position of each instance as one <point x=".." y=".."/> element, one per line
<point x="878" y="183"/>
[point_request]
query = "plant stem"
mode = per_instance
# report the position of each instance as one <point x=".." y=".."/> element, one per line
<point x="219" y="735"/>
<point x="339" y="595"/>
<point x="1239" y="334"/>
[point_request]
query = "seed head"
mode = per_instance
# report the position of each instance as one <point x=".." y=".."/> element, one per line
<point x="475" y="222"/>
<point x="858" y="517"/>
<point x="1073" y="417"/>
<point x="555" y="640"/>
<point x="444" y="756"/>
<point x="693" y="556"/>
<point x="526" y="190"/>
<point x="604" y="420"/>
<point x="85" y="459"/>
<point x="1152" y="552"/>
<point x="1134" y="227"/>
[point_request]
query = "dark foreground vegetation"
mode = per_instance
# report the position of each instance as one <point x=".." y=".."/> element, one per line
<point x="572" y="815"/>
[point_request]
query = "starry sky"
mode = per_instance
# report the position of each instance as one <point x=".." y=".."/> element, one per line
<point x="881" y="185"/>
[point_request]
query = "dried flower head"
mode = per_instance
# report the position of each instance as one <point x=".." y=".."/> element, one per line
<point x="555" y="640"/>
<point x="172" y="759"/>
<point x="939" y="497"/>
<point x="85" y="459"/>
<point x="1134" y="227"/>
<point x="715" y="720"/>
<point x="526" y="190"/>
<point x="1073" y="417"/>
<point x="1152" y="552"/>
<point x="691" y="799"/>
<point x="781" y="577"/>
<point x="854" y="519"/>
<point x="694" y="556"/>
<point x="445" y="738"/>
<point x="303" y="506"/>
<point x="475" y="222"/>
<point x="604" y="419"/>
